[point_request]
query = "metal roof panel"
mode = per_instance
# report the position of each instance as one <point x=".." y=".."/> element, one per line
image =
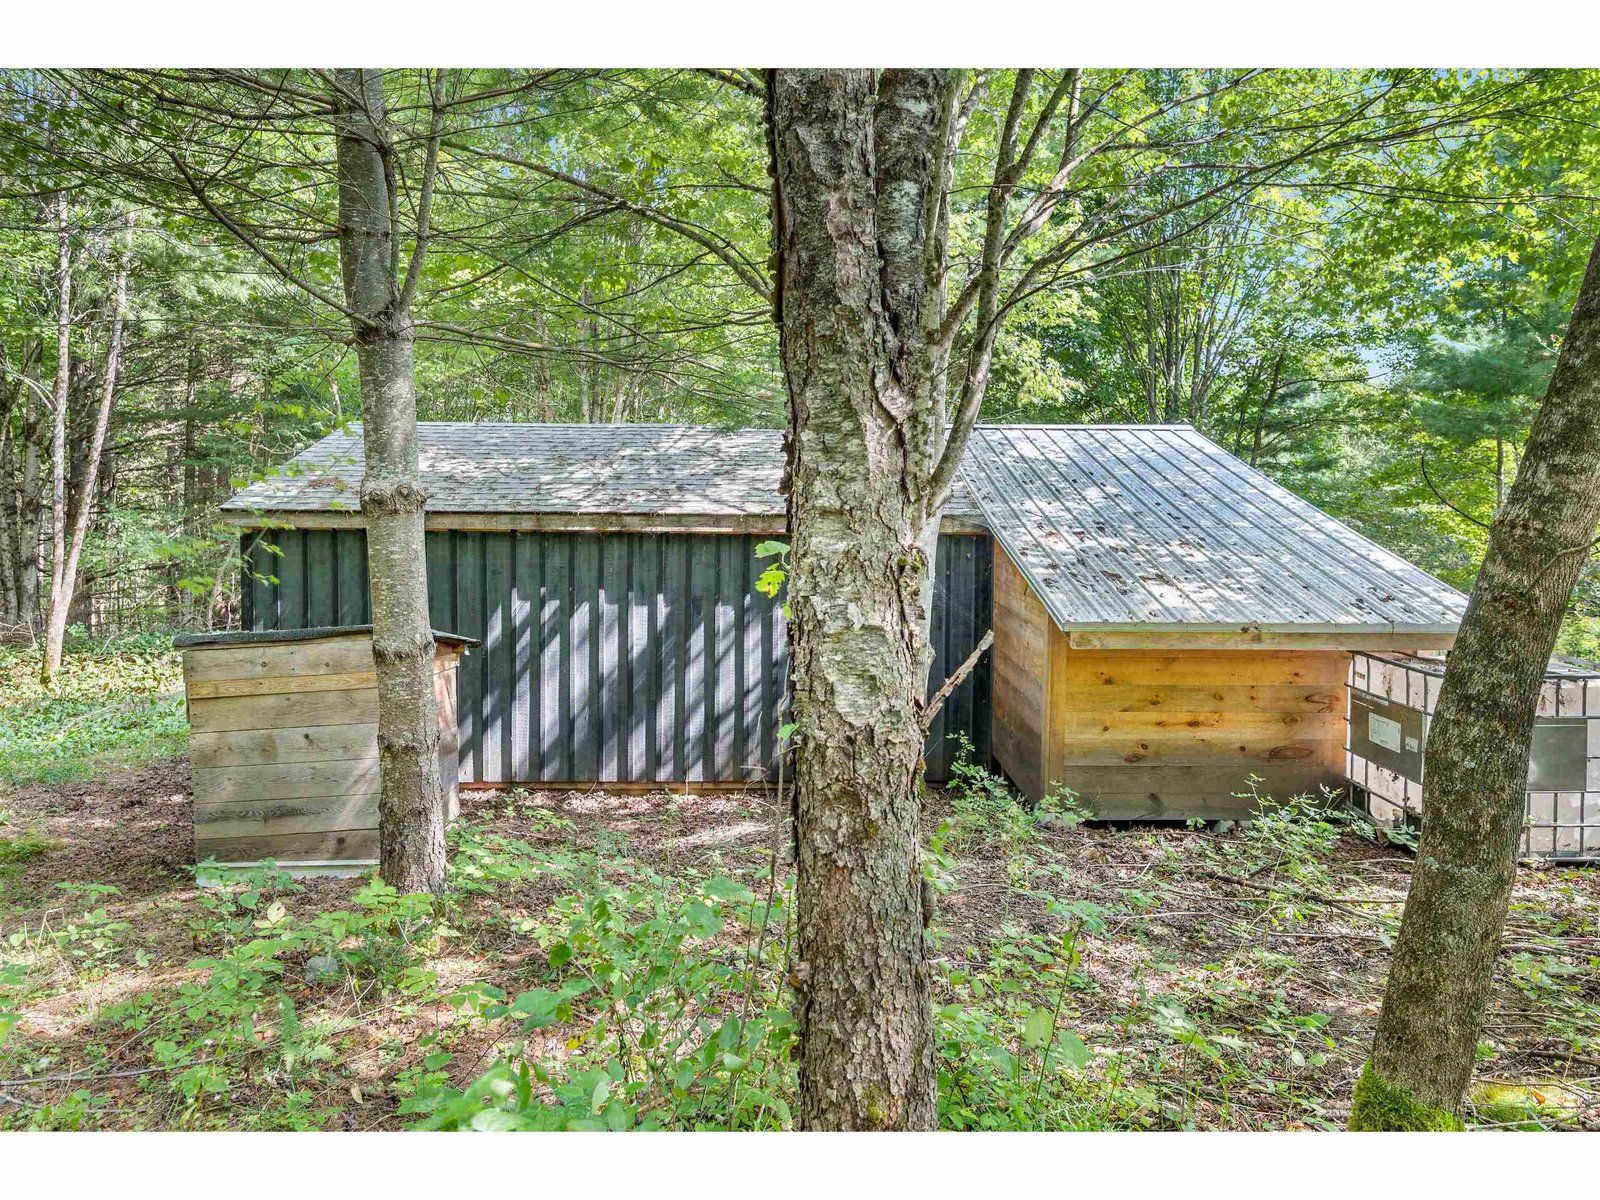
<point x="1156" y="526"/>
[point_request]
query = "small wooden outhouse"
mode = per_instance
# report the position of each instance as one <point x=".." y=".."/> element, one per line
<point x="283" y="743"/>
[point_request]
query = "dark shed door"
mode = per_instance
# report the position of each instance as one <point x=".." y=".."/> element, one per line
<point x="616" y="657"/>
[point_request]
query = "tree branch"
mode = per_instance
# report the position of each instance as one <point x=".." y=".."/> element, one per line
<point x="430" y="171"/>
<point x="1440" y="497"/>
<point x="931" y="709"/>
<point x="233" y="226"/>
<point x="720" y="247"/>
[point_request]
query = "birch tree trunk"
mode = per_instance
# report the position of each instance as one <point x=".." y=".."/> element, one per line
<point x="10" y="556"/>
<point x="60" y="394"/>
<point x="855" y="165"/>
<point x="1477" y="753"/>
<point x="879" y="417"/>
<point x="69" y="550"/>
<point x="16" y="394"/>
<point x="411" y="808"/>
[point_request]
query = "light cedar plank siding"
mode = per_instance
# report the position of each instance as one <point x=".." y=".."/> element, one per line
<point x="1289" y="668"/>
<point x="1215" y="698"/>
<point x="284" y="781"/>
<point x="314" y="814"/>
<point x="252" y="747"/>
<point x="285" y="710"/>
<point x="1247" y="754"/>
<point x="284" y="746"/>
<point x="1157" y="733"/>
<point x="444" y="695"/>
<point x="331" y="656"/>
<point x="346" y="845"/>
<point x="212" y="689"/>
<point x="1179" y="750"/>
<point x="1088" y="725"/>
<point x="1022" y="632"/>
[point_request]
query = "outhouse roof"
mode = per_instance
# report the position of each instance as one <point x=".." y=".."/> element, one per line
<point x="1119" y="527"/>
<point x="316" y="633"/>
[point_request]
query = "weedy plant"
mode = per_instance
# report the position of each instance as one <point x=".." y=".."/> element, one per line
<point x="987" y="811"/>
<point x="671" y="993"/>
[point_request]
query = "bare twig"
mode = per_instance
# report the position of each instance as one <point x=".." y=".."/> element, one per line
<point x="931" y="709"/>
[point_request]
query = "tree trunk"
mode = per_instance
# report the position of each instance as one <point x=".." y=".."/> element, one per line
<point x="30" y="507"/>
<point x="64" y="572"/>
<point x="189" y="500"/>
<point x="58" y="440"/>
<point x="849" y="216"/>
<point x="1499" y="473"/>
<point x="411" y="808"/>
<point x="1267" y="402"/>
<point x="1477" y="753"/>
<point x="14" y="396"/>
<point x="10" y="556"/>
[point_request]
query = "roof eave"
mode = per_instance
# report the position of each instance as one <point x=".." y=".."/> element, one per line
<point x="1431" y="628"/>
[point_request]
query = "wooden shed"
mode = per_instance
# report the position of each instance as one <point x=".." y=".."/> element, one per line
<point x="1167" y="620"/>
<point x="283" y="743"/>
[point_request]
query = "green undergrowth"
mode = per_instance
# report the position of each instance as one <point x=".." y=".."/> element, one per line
<point x="577" y="978"/>
<point x="558" y="986"/>
<point x="114" y="704"/>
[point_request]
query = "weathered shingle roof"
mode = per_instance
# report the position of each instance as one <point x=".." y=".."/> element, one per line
<point x="1145" y="526"/>
<point x="1115" y="527"/>
<point x="523" y="467"/>
<point x="519" y="467"/>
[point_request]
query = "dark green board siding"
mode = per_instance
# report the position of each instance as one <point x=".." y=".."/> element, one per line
<point x="615" y="657"/>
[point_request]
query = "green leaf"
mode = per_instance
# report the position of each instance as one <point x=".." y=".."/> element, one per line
<point x="720" y="887"/>
<point x="770" y="581"/>
<point x="493" y="1120"/>
<point x="1070" y="1046"/>
<point x="1036" y="1029"/>
<point x="703" y="919"/>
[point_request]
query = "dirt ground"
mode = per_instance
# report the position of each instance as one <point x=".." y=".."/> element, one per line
<point x="1207" y="934"/>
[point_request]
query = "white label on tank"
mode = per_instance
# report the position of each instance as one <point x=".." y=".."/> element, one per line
<point x="1383" y="732"/>
<point x="1411" y="745"/>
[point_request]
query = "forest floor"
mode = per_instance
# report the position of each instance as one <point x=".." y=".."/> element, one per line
<point x="1211" y="981"/>
<point x="623" y="961"/>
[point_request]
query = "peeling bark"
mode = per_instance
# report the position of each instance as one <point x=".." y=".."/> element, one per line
<point x="858" y="177"/>
<point x="60" y="393"/>
<point x="19" y="486"/>
<point x="30" y="509"/>
<point x="1477" y="752"/>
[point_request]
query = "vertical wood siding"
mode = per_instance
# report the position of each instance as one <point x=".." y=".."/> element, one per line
<point x="615" y="657"/>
